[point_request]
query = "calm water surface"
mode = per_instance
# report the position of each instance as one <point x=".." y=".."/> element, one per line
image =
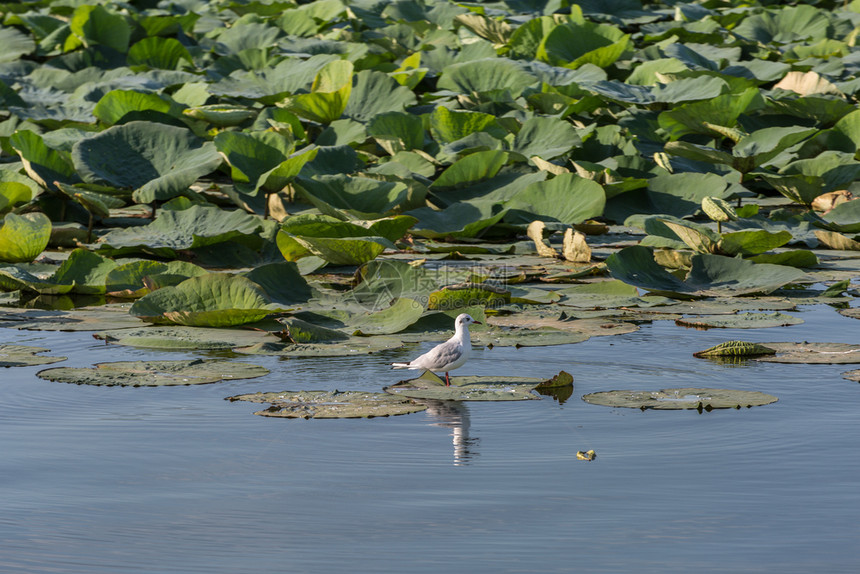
<point x="98" y="480"/>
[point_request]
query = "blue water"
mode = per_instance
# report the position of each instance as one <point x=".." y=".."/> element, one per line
<point x="163" y="480"/>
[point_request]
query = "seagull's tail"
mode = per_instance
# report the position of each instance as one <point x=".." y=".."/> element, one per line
<point x="402" y="366"/>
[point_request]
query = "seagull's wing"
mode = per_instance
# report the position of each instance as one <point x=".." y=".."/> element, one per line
<point x="438" y="357"/>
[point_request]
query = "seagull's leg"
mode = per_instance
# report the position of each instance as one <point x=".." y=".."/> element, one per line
<point x="447" y="382"/>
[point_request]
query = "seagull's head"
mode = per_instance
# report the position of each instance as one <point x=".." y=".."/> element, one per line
<point x="464" y="320"/>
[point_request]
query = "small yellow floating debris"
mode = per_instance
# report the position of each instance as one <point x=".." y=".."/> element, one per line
<point x="585" y="455"/>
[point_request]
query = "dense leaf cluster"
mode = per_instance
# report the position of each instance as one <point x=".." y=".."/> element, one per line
<point x="325" y="132"/>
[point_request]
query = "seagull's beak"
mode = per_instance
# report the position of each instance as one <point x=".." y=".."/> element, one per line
<point x="477" y="322"/>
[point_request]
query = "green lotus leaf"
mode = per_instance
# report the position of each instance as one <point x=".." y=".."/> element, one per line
<point x="376" y="93"/>
<point x="526" y="39"/>
<point x="576" y="43"/>
<point x="382" y="281"/>
<point x="397" y="131"/>
<point x="158" y="52"/>
<point x="135" y="279"/>
<point x="329" y="95"/>
<point x="24" y="356"/>
<point x="247" y="34"/>
<point x="85" y="270"/>
<point x="798" y="188"/>
<point x="677" y="194"/>
<point x="785" y="24"/>
<point x="401" y="314"/>
<point x="212" y="300"/>
<point x="13" y="193"/>
<point x="459" y="220"/>
<point x="342" y="132"/>
<point x="765" y="144"/>
<point x="486" y="75"/>
<point x="360" y="196"/>
<point x="14" y="176"/>
<point x="195" y="227"/>
<point x="335" y="250"/>
<point x="835" y="169"/>
<point x="740" y="321"/>
<point x="17" y="277"/>
<point x="696" y="117"/>
<point x="845" y="217"/>
<point x="475" y="167"/>
<point x="331" y="404"/>
<point x="750" y="152"/>
<point x="221" y="115"/>
<point x="491" y="29"/>
<point x="15" y="44"/>
<point x="429" y="386"/>
<point x="678" y="91"/>
<point x="699" y="239"/>
<point x="681" y="399"/>
<point x="448" y="126"/>
<point x="118" y="106"/>
<point x="157" y="161"/>
<point x="155" y="373"/>
<point x="567" y="198"/>
<point x="546" y="138"/>
<point x="282" y="282"/>
<point x="709" y="275"/>
<point x="271" y="83"/>
<point x="251" y="155"/>
<point x="752" y="242"/>
<point x="43" y="164"/>
<point x="813" y="353"/>
<point x="802" y="258"/>
<point x="23" y="237"/>
<point x="94" y="25"/>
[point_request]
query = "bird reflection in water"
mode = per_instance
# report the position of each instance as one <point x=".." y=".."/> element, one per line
<point x="455" y="416"/>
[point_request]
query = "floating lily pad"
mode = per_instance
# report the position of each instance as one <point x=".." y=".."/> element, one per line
<point x="527" y="337"/>
<point x="726" y="306"/>
<point x="350" y="347"/>
<point x="429" y="386"/>
<point x="331" y="404"/>
<point x="680" y="399"/>
<point x="813" y="353"/>
<point x="853" y="312"/>
<point x="591" y="326"/>
<point x="83" y="319"/>
<point x="182" y="338"/>
<point x="24" y="356"/>
<point x="740" y="321"/>
<point x="154" y="373"/>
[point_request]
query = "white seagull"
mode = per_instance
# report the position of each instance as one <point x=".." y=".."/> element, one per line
<point x="448" y="356"/>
